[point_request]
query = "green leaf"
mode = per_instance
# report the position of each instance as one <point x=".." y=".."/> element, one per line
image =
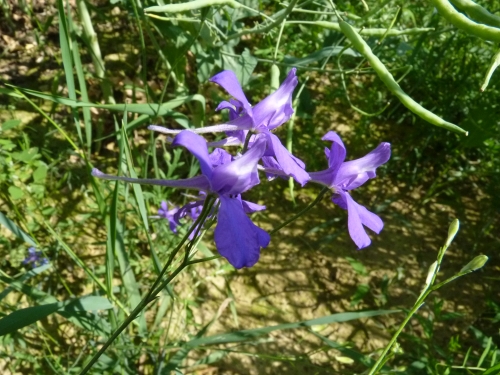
<point x="151" y="109"/>
<point x="10" y="225"/>
<point x="91" y="322"/>
<point x="28" y="275"/>
<point x="252" y="334"/>
<point x="15" y="192"/>
<point x="67" y="59"/>
<point x="245" y="335"/>
<point x="357" y="266"/>
<point x="361" y="291"/>
<point x="243" y="65"/>
<point x="495" y="370"/>
<point x="139" y="197"/>
<point x="26" y="155"/>
<point x="88" y="303"/>
<point x="24" y="317"/>
<point x="40" y="173"/>
<point x="10" y="124"/>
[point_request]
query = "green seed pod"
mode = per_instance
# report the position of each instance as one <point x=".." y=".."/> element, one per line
<point x="477" y="12"/>
<point x="391" y="83"/>
<point x="463" y="23"/>
<point x="371" y="31"/>
<point x="452" y="231"/>
<point x="475" y="264"/>
<point x="191" y="5"/>
<point x="275" y="78"/>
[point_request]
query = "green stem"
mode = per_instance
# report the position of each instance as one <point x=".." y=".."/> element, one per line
<point x="265" y="29"/>
<point x="95" y="51"/>
<point x="157" y="287"/>
<point x="247" y="141"/>
<point x="302" y="212"/>
<point x="366" y="31"/>
<point x="428" y="289"/>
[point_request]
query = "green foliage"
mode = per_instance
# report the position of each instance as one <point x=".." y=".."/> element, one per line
<point x="89" y="78"/>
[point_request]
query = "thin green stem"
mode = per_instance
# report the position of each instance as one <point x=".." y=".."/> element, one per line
<point x="155" y="289"/>
<point x="302" y="212"/>
<point x="264" y="29"/>
<point x="203" y="260"/>
<point x="247" y="141"/>
<point x="428" y="289"/>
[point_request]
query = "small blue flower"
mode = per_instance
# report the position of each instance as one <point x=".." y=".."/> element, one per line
<point x="35" y="258"/>
<point x="343" y="176"/>
<point x="165" y="213"/>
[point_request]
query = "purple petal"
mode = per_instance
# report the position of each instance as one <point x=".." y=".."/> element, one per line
<point x="197" y="183"/>
<point x="287" y="162"/>
<point x="164" y="206"/>
<point x="250" y="207"/>
<point x="226" y="105"/>
<point x="272" y="168"/>
<point x="165" y="213"/>
<point x="229" y="141"/>
<point x="229" y="82"/>
<point x="276" y="109"/>
<point x="234" y="108"/>
<point x="337" y="152"/>
<point x="197" y="145"/>
<point x="356" y="172"/>
<point x="188" y="209"/>
<point x="236" y="237"/>
<point x="326" y="177"/>
<point x="241" y="174"/>
<point x="219" y="157"/>
<point x="357" y="216"/>
<point x="234" y="125"/>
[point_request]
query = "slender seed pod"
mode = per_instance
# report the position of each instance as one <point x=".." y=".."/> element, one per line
<point x="495" y="62"/>
<point x="275" y="78"/>
<point x="463" y="23"/>
<point x="477" y="12"/>
<point x="372" y="31"/>
<point x="191" y="5"/>
<point x="391" y="83"/>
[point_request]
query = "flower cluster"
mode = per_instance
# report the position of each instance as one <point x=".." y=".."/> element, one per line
<point x="35" y="258"/>
<point x="226" y="176"/>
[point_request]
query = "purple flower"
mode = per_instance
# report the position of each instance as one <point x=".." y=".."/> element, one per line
<point x="236" y="237"/>
<point x="263" y="118"/>
<point x="342" y="177"/>
<point x="35" y="258"/>
<point x="165" y="213"/>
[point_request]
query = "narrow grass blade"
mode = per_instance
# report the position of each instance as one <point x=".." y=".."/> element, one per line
<point x="252" y="334"/>
<point x="87" y="121"/>
<point x="83" y="266"/>
<point x="28" y="275"/>
<point x="25" y="317"/>
<point x="152" y="109"/>
<point x="139" y="197"/>
<point x="11" y="226"/>
<point x="64" y="39"/>
<point x="356" y="356"/>
<point x="90" y="322"/>
<point x="111" y="222"/>
<point x="127" y="274"/>
<point x="248" y="334"/>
